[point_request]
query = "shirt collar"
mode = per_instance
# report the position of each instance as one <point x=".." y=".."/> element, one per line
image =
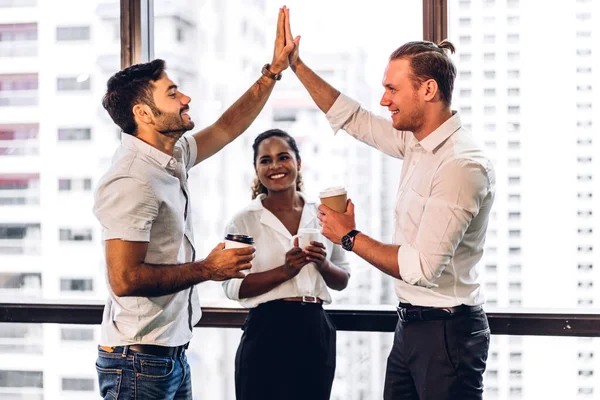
<point x="267" y="217"/>
<point x="133" y="143"/>
<point x="443" y="132"/>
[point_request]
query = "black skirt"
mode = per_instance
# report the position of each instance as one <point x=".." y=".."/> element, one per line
<point x="287" y="352"/>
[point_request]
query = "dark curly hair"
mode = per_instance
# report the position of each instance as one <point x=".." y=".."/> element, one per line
<point x="129" y="87"/>
<point x="257" y="187"/>
<point x="430" y="61"/>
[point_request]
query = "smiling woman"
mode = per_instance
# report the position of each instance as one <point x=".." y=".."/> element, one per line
<point x="289" y="340"/>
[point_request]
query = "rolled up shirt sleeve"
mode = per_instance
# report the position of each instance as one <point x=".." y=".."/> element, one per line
<point x="371" y="129"/>
<point x="459" y="189"/>
<point x="126" y="209"/>
<point x="190" y="151"/>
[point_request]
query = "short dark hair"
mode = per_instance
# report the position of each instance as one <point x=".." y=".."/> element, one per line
<point x="430" y="61"/>
<point x="257" y="187"/>
<point x="129" y="87"/>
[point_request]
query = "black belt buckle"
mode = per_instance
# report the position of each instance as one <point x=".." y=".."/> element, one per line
<point x="409" y="314"/>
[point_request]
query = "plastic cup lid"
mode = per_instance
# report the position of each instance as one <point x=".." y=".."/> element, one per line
<point x="332" y="191"/>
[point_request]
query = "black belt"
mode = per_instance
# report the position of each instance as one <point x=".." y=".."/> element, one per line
<point x="410" y="313"/>
<point x="161" y="351"/>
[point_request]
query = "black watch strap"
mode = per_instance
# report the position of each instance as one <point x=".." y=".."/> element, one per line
<point x="348" y="240"/>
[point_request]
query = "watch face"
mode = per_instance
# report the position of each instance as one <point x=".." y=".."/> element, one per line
<point x="347" y="242"/>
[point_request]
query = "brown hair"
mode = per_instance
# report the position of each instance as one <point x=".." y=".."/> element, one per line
<point x="430" y="61"/>
<point x="257" y="187"/>
<point x="129" y="87"/>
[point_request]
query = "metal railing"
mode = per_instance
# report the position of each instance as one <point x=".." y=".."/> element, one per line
<point x="364" y="319"/>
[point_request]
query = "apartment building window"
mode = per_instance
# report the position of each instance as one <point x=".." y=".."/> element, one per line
<point x="76" y="285"/>
<point x="514" y="180"/>
<point x="513" y="20"/>
<point x="489" y="127"/>
<point x="513" y="73"/>
<point x="584" y="178"/>
<point x="584" y="142"/>
<point x="585" y="284"/>
<point x="491" y="268"/>
<point x="465" y="57"/>
<point x="584" y="106"/>
<point x="586" y="355"/>
<point x="81" y="83"/>
<point x="584" y="124"/>
<point x="514" y="215"/>
<point x="514" y="162"/>
<point x="465" y="74"/>
<point x="489" y="74"/>
<point x="516" y="356"/>
<point x="514" y="197"/>
<point x="515" y="268"/>
<point x="464" y="3"/>
<point x="585" y="249"/>
<point x="77" y="334"/>
<point x="583" y="16"/>
<point x="585" y="213"/>
<point x="513" y="91"/>
<point x="585" y="302"/>
<point x="512" y="38"/>
<point x="72" y="33"/>
<point x="489" y="56"/>
<point x="514" y="233"/>
<point x="75" y="235"/>
<point x="513" y="56"/>
<point x="21" y="379"/>
<point x="489" y="39"/>
<point x="489" y="92"/>
<point x="78" y="384"/>
<point x="465" y="22"/>
<point x="466" y="110"/>
<point x="21" y="281"/>
<point x="584" y="52"/>
<point x="514" y="145"/>
<point x="585" y="390"/>
<point x="465" y="92"/>
<point x="516" y="391"/>
<point x="512" y="3"/>
<point x="489" y="110"/>
<point x="585" y="267"/>
<point x="585" y="195"/>
<point x="514" y="109"/>
<point x="586" y="372"/>
<point x="584" y="34"/>
<point x="584" y="88"/>
<point x="585" y="231"/>
<point x="74" y="134"/>
<point x="464" y="39"/>
<point x="584" y="70"/>
<point x="18" y="90"/>
<point x="75" y="184"/>
<point x="514" y="126"/>
<point x="515" y="286"/>
<point x="584" y="160"/>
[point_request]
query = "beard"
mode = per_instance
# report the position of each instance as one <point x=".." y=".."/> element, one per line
<point x="414" y="120"/>
<point x="172" y="124"/>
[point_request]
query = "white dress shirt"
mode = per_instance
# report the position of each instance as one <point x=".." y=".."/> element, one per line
<point x="272" y="241"/>
<point x="144" y="197"/>
<point x="442" y="208"/>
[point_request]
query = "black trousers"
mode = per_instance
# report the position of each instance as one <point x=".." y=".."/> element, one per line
<point x="287" y="352"/>
<point x="438" y="360"/>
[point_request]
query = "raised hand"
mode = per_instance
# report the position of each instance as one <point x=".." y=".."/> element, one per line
<point x="223" y="264"/>
<point x="282" y="48"/>
<point x="289" y="38"/>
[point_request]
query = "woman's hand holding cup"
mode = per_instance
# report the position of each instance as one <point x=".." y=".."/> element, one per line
<point x="316" y="253"/>
<point x="295" y="259"/>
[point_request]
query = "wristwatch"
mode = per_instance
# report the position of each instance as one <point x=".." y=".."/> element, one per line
<point x="348" y="240"/>
<point x="267" y="72"/>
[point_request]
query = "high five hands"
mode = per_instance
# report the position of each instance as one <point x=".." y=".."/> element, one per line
<point x="285" y="52"/>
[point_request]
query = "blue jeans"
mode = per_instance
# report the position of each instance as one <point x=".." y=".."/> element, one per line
<point x="128" y="375"/>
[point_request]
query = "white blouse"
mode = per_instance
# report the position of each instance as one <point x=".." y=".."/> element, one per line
<point x="272" y="241"/>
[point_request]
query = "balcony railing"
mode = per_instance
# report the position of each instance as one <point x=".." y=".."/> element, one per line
<point x="363" y="319"/>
